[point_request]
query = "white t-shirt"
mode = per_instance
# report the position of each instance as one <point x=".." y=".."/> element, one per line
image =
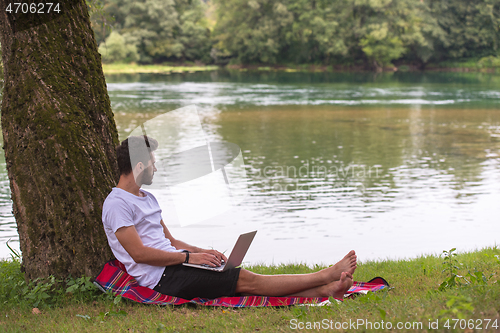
<point x="123" y="209"/>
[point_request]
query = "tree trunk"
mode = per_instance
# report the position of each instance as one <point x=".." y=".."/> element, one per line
<point x="59" y="138"/>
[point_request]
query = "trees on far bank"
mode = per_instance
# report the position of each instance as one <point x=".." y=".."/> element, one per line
<point x="370" y="33"/>
<point x="156" y="30"/>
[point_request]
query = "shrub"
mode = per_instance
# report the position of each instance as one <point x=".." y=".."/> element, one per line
<point x="116" y="49"/>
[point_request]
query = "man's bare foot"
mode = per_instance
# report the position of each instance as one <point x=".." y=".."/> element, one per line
<point x="337" y="289"/>
<point x="348" y="264"/>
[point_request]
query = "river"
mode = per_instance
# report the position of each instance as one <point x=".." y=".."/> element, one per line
<point x="392" y="165"/>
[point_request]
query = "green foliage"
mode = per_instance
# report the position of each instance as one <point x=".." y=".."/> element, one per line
<point x="379" y="46"/>
<point x="113" y="310"/>
<point x="458" y="306"/>
<point x="100" y="19"/>
<point x="116" y="49"/>
<point x="387" y="30"/>
<point x="15" y="291"/>
<point x="300" y="312"/>
<point x="368" y="33"/>
<point x="37" y="293"/>
<point x="375" y="32"/>
<point x="15" y="255"/>
<point x="250" y="31"/>
<point x="453" y="278"/>
<point x="161" y="30"/>
<point x="51" y="291"/>
<point x="315" y="31"/>
<point x="471" y="28"/>
<point x="489" y="62"/>
<point x="11" y="280"/>
<point x="375" y="299"/>
<point x="451" y="269"/>
<point x="80" y="288"/>
<point x="477" y="278"/>
<point x="194" y="34"/>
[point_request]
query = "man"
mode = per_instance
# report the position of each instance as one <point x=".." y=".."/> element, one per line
<point x="140" y="239"/>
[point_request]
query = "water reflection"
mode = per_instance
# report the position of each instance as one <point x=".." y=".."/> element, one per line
<point x="360" y="151"/>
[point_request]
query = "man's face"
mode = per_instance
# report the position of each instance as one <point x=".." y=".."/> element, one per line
<point x="149" y="171"/>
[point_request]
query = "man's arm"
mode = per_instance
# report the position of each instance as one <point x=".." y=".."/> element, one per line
<point x="141" y="254"/>
<point x="178" y="244"/>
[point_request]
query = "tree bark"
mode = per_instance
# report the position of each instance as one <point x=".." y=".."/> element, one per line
<point x="59" y="138"/>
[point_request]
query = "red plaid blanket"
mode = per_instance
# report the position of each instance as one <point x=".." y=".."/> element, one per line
<point x="114" y="278"/>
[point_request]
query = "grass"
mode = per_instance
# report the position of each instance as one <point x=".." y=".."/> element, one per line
<point x="485" y="64"/>
<point x="119" y="68"/>
<point x="415" y="299"/>
<point x="489" y="64"/>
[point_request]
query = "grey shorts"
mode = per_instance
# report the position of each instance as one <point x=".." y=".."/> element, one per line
<point x="189" y="282"/>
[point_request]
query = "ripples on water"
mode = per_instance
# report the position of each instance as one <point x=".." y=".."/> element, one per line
<point x="391" y="167"/>
<point x="140" y="95"/>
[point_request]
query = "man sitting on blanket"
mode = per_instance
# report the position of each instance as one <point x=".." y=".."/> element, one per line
<point x="142" y="242"/>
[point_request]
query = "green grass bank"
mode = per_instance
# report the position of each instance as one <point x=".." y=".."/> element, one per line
<point x="468" y="300"/>
<point x="133" y="68"/>
<point x="487" y="64"/>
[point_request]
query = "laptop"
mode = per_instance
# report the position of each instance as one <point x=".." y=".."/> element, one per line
<point x="236" y="257"/>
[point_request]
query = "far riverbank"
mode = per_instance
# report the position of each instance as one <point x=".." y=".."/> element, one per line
<point x="485" y="65"/>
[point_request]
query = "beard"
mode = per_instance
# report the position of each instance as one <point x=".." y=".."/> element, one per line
<point x="147" y="177"/>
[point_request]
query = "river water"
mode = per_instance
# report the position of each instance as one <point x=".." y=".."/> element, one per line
<point x="391" y="165"/>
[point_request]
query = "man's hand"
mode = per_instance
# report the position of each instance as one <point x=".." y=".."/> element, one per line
<point x="212" y="258"/>
<point x="216" y="253"/>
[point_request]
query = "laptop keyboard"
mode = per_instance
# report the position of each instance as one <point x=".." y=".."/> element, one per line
<point x="219" y="267"/>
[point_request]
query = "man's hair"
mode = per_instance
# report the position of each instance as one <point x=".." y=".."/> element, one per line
<point x="140" y="147"/>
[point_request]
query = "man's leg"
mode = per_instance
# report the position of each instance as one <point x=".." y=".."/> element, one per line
<point x="302" y="285"/>
<point x="336" y="288"/>
<point x="292" y="284"/>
